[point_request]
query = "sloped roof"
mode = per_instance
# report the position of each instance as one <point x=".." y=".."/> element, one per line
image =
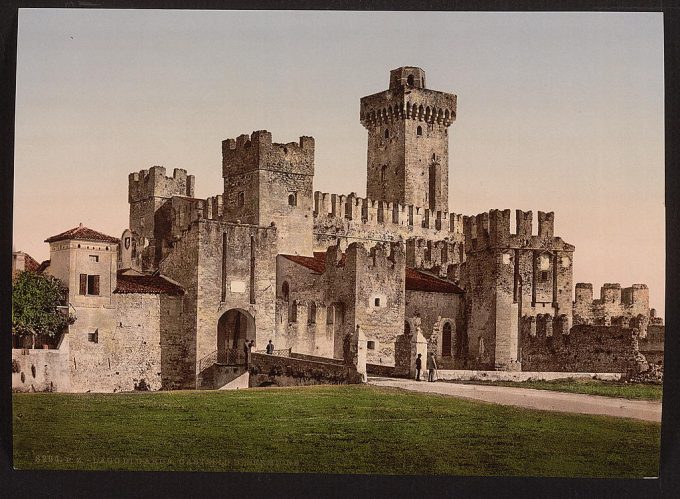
<point x="146" y="284"/>
<point x="43" y="266"/>
<point x="82" y="233"/>
<point x="30" y="263"/>
<point x="416" y="280"/>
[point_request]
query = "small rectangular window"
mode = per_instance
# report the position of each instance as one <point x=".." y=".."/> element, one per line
<point x="544" y="276"/>
<point x="377" y="302"/>
<point x="94" y="258"/>
<point x="93" y="337"/>
<point x="370" y="345"/>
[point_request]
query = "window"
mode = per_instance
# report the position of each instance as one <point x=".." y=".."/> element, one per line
<point x="370" y="345"/>
<point x="93" y="337"/>
<point x="410" y="80"/>
<point x="376" y="302"/>
<point x="292" y="312"/>
<point x="383" y="173"/>
<point x="446" y="340"/>
<point x="285" y="291"/>
<point x="95" y="258"/>
<point x="387" y="134"/>
<point x="292" y="199"/>
<point x="241" y="199"/>
<point x="419" y="130"/>
<point x="311" y="319"/>
<point x="544" y="276"/>
<point x="89" y="284"/>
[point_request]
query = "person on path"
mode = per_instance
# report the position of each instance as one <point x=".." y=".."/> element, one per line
<point x="419" y="366"/>
<point x="270" y="347"/>
<point x="431" y="367"/>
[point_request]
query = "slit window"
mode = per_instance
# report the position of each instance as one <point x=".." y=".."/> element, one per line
<point x="376" y="302"/>
<point x="419" y="130"/>
<point x="241" y="199"/>
<point x="387" y="134"/>
<point x="292" y="199"/>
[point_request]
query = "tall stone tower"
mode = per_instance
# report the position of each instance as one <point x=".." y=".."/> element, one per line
<point x="266" y="182"/>
<point x="408" y="142"/>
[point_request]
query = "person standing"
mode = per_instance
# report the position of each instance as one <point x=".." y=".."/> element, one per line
<point x="246" y="352"/>
<point x="419" y="366"/>
<point x="431" y="367"/>
<point x="270" y="347"/>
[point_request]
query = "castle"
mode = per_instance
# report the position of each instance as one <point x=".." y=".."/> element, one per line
<point x="333" y="280"/>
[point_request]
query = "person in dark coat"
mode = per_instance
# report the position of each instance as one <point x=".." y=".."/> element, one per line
<point x="419" y="366"/>
<point x="431" y="367"/>
<point x="270" y="347"/>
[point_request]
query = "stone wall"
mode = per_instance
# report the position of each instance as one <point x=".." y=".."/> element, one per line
<point x="272" y="370"/>
<point x="435" y="310"/>
<point x="36" y="370"/>
<point x="606" y="349"/>
<point x="652" y="346"/>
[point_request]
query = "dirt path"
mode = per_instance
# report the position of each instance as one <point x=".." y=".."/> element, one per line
<point x="533" y="399"/>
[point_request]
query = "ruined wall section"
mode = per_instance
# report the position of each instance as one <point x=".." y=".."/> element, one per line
<point x="266" y="182"/>
<point x="407" y="159"/>
<point x="508" y="276"/>
<point x="587" y="348"/>
<point x="615" y="304"/>
<point x="149" y="194"/>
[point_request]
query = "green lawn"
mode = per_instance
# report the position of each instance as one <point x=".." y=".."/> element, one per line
<point x="637" y="391"/>
<point x="339" y="429"/>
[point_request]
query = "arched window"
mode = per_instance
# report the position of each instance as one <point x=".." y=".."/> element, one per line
<point x="410" y="80"/>
<point x="383" y="173"/>
<point x="285" y="291"/>
<point x="419" y="130"/>
<point x="311" y="313"/>
<point x="446" y="340"/>
<point x="292" y="199"/>
<point x="387" y="134"/>
<point x="241" y="198"/>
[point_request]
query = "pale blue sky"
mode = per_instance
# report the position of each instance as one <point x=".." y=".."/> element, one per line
<point x="556" y="112"/>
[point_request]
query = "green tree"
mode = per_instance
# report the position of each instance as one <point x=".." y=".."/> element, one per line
<point x="35" y="302"/>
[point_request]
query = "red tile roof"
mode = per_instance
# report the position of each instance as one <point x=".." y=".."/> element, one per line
<point x="416" y="280"/>
<point x="83" y="233"/>
<point x="147" y="284"/>
<point x="30" y="263"/>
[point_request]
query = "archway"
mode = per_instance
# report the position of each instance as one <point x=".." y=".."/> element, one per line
<point x="235" y="327"/>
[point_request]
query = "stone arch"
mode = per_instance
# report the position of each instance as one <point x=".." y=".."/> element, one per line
<point x="235" y="327"/>
<point x="410" y="81"/>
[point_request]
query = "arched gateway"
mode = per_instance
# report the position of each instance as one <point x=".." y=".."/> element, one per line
<point x="234" y="329"/>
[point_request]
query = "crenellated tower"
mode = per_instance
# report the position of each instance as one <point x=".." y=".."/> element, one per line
<point x="408" y="142"/>
<point x="266" y="182"/>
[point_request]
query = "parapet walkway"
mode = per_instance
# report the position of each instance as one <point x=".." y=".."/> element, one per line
<point x="529" y="398"/>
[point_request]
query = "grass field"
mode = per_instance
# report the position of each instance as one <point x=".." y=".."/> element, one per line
<point x="340" y="429"/>
<point x="635" y="391"/>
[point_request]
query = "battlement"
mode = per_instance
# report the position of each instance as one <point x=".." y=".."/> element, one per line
<point x="612" y="293"/>
<point x="257" y="152"/>
<point x="423" y="105"/>
<point x="492" y="230"/>
<point x="436" y="256"/>
<point x="147" y="184"/>
<point x="371" y="212"/>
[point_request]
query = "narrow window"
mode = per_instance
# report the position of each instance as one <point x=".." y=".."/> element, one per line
<point x="292" y="312"/>
<point x="387" y="134"/>
<point x="446" y="340"/>
<point x="544" y="276"/>
<point x="292" y="199"/>
<point x="383" y="173"/>
<point x="93" y="285"/>
<point x="311" y="313"/>
<point x="241" y="199"/>
<point x="95" y="258"/>
<point x="285" y="291"/>
<point x="376" y="302"/>
<point x="419" y="130"/>
<point x="370" y="345"/>
<point x="410" y="80"/>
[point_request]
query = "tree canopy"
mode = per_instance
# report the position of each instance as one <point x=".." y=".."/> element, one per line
<point x="35" y="298"/>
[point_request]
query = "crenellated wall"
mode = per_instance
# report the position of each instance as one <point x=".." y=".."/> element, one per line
<point x="615" y="304"/>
